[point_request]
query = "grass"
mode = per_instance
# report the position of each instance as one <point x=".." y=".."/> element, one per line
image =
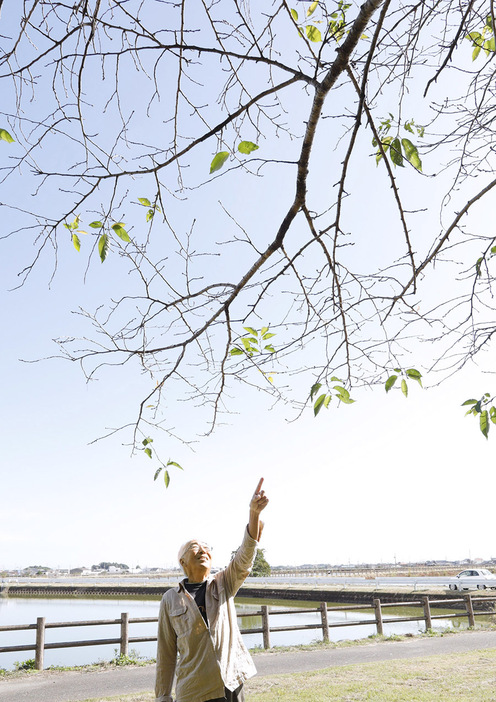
<point x="464" y="677"/>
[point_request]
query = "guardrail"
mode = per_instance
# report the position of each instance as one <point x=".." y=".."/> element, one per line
<point x="39" y="646"/>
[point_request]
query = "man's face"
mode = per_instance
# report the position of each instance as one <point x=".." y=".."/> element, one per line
<point x="197" y="561"/>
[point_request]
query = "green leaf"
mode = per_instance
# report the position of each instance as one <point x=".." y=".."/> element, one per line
<point x="489" y="46"/>
<point x="96" y="225"/>
<point x="492" y="414"/>
<point x="411" y="154"/>
<point x="314" y="389"/>
<point x="414" y="375"/>
<point x="390" y="382"/>
<point x="395" y="152"/>
<point x="5" y="136"/>
<point x="484" y="423"/>
<point x="246" y="147"/>
<point x="250" y="330"/>
<point x="469" y="402"/>
<point x="270" y="348"/>
<point x="318" y="404"/>
<point x="149" y="215"/>
<point x="147" y="441"/>
<point x="76" y="242"/>
<point x="313" y="33"/>
<point x="476" y="52"/>
<point x="145" y="201"/>
<point x="118" y="228"/>
<point x="404" y="387"/>
<point x="294" y="15"/>
<point x="385" y="145"/>
<point x="246" y="343"/>
<point x="269" y="335"/>
<point x="173" y="463"/>
<point x="103" y="247"/>
<point x="236" y="352"/>
<point x="343" y="395"/>
<point x="148" y="452"/>
<point x="166" y="478"/>
<point x="218" y="161"/>
<point x="336" y="380"/>
<point x="157" y="472"/>
<point x="327" y="400"/>
<point x="312" y="8"/>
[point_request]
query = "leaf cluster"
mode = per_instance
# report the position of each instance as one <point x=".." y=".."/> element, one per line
<point x="148" y="451"/>
<point x="484" y="409"/>
<point x="323" y="400"/>
<point x="253" y="342"/>
<point x="103" y="240"/>
<point x="152" y="208"/>
<point x="399" y="148"/>
<point x="336" y="28"/>
<point x="411" y="373"/>
<point x="483" y="40"/>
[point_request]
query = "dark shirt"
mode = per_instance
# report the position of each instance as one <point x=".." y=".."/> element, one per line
<point x="197" y="592"/>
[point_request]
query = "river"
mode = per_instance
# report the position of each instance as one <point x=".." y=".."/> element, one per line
<point x="20" y="610"/>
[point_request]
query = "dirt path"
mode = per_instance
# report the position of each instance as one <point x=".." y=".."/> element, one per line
<point x="74" y="686"/>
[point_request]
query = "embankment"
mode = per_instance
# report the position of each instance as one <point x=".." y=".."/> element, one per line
<point x="307" y="594"/>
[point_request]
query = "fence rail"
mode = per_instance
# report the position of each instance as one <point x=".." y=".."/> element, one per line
<point x="40" y="646"/>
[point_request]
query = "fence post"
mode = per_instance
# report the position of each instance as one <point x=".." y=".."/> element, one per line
<point x="40" y="643"/>
<point x="470" y="610"/>
<point x="124" y="633"/>
<point x="378" y="617"/>
<point x="427" y="613"/>
<point x="325" y="622"/>
<point x="265" y="626"/>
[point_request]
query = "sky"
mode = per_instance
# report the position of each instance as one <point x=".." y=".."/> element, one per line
<point x="385" y="479"/>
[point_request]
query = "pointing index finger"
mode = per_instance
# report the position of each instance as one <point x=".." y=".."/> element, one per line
<point x="259" y="486"/>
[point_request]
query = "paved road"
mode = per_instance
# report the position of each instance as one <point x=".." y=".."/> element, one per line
<point x="73" y="686"/>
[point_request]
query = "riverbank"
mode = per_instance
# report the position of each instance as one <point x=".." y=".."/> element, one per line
<point x="454" y="666"/>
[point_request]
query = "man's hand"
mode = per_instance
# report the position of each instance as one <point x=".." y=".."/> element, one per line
<point x="259" y="502"/>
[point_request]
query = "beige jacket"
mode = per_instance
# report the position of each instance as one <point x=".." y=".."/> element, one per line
<point x="210" y="658"/>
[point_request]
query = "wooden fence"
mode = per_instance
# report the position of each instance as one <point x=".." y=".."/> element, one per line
<point x="378" y="607"/>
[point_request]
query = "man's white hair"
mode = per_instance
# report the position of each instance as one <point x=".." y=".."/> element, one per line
<point x="185" y="547"/>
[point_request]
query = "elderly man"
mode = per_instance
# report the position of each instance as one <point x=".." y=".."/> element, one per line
<point x="197" y="620"/>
